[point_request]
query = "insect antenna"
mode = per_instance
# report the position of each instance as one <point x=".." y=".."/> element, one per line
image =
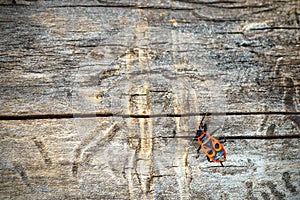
<point x="201" y="125"/>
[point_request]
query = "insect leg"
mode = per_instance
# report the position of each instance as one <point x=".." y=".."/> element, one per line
<point x="222" y="164"/>
<point x="208" y="159"/>
<point x="205" y="128"/>
<point x="222" y="139"/>
<point x="203" y="118"/>
<point x="198" y="152"/>
<point x="196" y="137"/>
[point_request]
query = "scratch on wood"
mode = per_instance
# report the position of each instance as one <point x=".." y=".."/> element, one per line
<point x="278" y="195"/>
<point x="188" y="174"/>
<point x="296" y="120"/>
<point x="74" y="168"/>
<point x="43" y="150"/>
<point x="289" y="99"/>
<point x="249" y="186"/>
<point x="287" y="180"/>
<point x="265" y="119"/>
<point x="23" y="174"/>
<point x="91" y="143"/>
<point x="131" y="175"/>
<point x="270" y="130"/>
<point x="141" y="104"/>
<point x="265" y="196"/>
<point x="181" y="161"/>
<point x="289" y="95"/>
<point x="297" y="17"/>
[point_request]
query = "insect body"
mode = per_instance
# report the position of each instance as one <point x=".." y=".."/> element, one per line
<point x="213" y="148"/>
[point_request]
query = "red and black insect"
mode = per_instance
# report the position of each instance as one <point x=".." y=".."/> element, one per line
<point x="213" y="148"/>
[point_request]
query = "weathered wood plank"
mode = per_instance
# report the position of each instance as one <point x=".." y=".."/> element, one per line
<point x="44" y="159"/>
<point x="251" y="47"/>
<point x="147" y="58"/>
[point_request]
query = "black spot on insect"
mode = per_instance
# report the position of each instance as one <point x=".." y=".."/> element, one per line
<point x="210" y="152"/>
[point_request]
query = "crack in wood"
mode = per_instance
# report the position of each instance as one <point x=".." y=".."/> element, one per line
<point x="237" y="137"/>
<point x="123" y="6"/>
<point x="275" y="28"/>
<point x="110" y="114"/>
<point x="248" y="137"/>
<point x="91" y="143"/>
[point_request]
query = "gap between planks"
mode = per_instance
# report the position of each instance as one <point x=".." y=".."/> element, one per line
<point x="110" y="114"/>
<point x="9" y="117"/>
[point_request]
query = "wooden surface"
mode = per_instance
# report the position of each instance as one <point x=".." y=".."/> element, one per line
<point x="92" y="91"/>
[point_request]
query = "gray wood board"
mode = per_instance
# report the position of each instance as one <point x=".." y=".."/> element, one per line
<point x="245" y="51"/>
<point x="50" y="159"/>
<point x="131" y="59"/>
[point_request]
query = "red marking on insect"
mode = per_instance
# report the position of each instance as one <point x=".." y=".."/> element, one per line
<point x="213" y="148"/>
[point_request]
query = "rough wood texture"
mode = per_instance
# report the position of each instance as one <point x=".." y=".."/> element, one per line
<point x="141" y="65"/>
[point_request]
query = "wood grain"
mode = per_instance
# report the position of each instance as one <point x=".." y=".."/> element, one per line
<point x="250" y="47"/>
<point x="92" y="93"/>
<point x="54" y="159"/>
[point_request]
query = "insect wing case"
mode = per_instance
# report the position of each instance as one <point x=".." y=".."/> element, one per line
<point x="220" y="152"/>
<point x="212" y="148"/>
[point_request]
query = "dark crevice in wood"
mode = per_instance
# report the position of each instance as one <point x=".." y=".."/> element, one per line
<point x="228" y="138"/>
<point x="243" y="6"/>
<point x="241" y="137"/>
<point x="276" y="28"/>
<point x="230" y="33"/>
<point x="260" y="137"/>
<point x="226" y="4"/>
<point x="124" y="6"/>
<point x="215" y="19"/>
<point x="109" y="114"/>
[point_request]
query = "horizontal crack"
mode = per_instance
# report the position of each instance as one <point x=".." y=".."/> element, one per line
<point x="110" y="114"/>
<point x="247" y="137"/>
<point x="275" y="28"/>
<point x="131" y="6"/>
